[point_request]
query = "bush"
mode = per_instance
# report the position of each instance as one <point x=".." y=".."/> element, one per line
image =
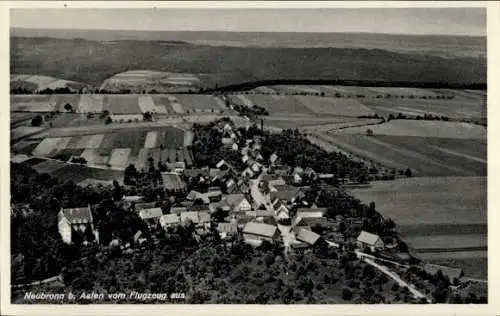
<point x="36" y="121"/>
<point x="347" y="294"/>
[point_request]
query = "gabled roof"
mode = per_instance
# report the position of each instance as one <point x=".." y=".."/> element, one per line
<point x="260" y="229"/>
<point x="307" y="236"/>
<point x="279" y="204"/>
<point x="80" y="215"/>
<point x="368" y="238"/>
<point x="169" y="219"/>
<point x="148" y="213"/>
<point x="287" y="194"/>
<point x="198" y="208"/>
<point x="196" y="172"/>
<point x="178" y="209"/>
<point x="234" y="199"/>
<point x="193" y="216"/>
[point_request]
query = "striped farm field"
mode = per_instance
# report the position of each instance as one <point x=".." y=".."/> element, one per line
<point x="23" y="131"/>
<point x="61" y="100"/>
<point x="416" y="92"/>
<point x="96" y="156"/>
<point x="124" y="139"/>
<point x="146" y="104"/>
<point x="119" y="158"/>
<point x="279" y="104"/>
<point x="198" y="102"/>
<point x="50" y="145"/>
<point x="151" y="140"/>
<point x="124" y="104"/>
<point x="92" y="103"/>
<point x="32" y="103"/>
<point x="334" y="106"/>
<point x="439" y="129"/>
<point x="425" y="156"/>
<point x="173" y="102"/>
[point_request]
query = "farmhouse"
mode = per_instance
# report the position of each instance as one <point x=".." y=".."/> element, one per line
<point x="76" y="223"/>
<point x="257" y="232"/>
<point x="308" y="237"/>
<point x="281" y="210"/>
<point x="227" y="229"/>
<point x="172" y="183"/>
<point x="199" y="219"/>
<point x="286" y="193"/>
<point x="236" y="203"/>
<point x="372" y="241"/>
<point x="151" y="216"/>
<point x="207" y="198"/>
<point x="169" y="220"/>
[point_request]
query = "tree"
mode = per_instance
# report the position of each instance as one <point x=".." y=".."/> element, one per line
<point x="147" y="116"/>
<point x="347" y="294"/>
<point x="391" y="117"/>
<point x="68" y="107"/>
<point x="36" y="121"/>
<point x="369" y="132"/>
<point x="408" y="173"/>
<point x="108" y="120"/>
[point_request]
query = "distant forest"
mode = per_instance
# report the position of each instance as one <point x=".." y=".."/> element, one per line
<point x="92" y="62"/>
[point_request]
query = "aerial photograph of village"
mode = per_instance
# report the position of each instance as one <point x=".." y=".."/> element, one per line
<point x="248" y="156"/>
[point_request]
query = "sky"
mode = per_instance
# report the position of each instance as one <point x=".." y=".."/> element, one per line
<point x="418" y="21"/>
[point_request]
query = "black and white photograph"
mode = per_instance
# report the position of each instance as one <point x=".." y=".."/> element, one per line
<point x="247" y="155"/>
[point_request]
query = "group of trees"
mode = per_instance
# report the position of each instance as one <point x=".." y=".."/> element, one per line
<point x="295" y="150"/>
<point x="426" y="117"/>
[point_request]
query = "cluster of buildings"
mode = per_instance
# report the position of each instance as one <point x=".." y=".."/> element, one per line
<point x="264" y="201"/>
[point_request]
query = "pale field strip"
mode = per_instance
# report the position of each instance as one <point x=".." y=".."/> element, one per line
<point x="91" y="156"/>
<point x="395" y="111"/>
<point x="151" y="140"/>
<point x="419" y="112"/>
<point x="93" y="141"/>
<point x="90" y="103"/>
<point x="459" y="154"/>
<point x="305" y="89"/>
<point x="59" y="83"/>
<point x="438" y="129"/>
<point x="119" y="157"/>
<point x="146" y="104"/>
<point x="246" y="101"/>
<point x="19" y="158"/>
<point x="48" y="145"/>
<point x="49" y="166"/>
<point x="404" y="91"/>
<point x="22" y="131"/>
<point x="334" y="106"/>
<point x="142" y="158"/>
<point x="175" y="104"/>
<point x="188" y="137"/>
<point x="126" y="117"/>
<point x="265" y="90"/>
<point x="416" y="155"/>
<point x="219" y="102"/>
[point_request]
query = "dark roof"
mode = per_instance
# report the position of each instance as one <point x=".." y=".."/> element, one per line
<point x="178" y="209"/>
<point x="284" y="194"/>
<point x="196" y="172"/>
<point x="312" y="210"/>
<point x="80" y="215"/>
<point x="198" y="208"/>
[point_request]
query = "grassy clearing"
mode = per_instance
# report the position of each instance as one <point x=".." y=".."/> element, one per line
<point x="92" y="103"/>
<point x="124" y="104"/>
<point x="195" y="103"/>
<point x="334" y="106"/>
<point x="124" y="139"/>
<point x="420" y="128"/>
<point x="279" y="105"/>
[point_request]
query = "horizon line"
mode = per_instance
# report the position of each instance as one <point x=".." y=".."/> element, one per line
<point x="226" y="31"/>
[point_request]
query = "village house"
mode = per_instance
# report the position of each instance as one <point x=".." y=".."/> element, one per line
<point x="273" y="159"/>
<point x="169" y="220"/>
<point x="237" y="203"/>
<point x="281" y="210"/>
<point x="151" y="216"/>
<point x="206" y="198"/>
<point x="248" y="172"/>
<point x="287" y="194"/>
<point x="254" y="233"/>
<point x="369" y="240"/>
<point x="308" y="237"/>
<point x="178" y="210"/>
<point x="223" y="165"/>
<point x="227" y="230"/>
<point x="73" y="223"/>
<point x="199" y="219"/>
<point x="177" y="167"/>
